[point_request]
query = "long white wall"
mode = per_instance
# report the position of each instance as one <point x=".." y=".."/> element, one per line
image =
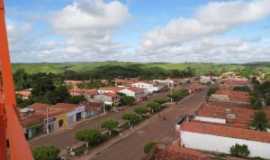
<point x="210" y="119"/>
<point x="212" y="143"/>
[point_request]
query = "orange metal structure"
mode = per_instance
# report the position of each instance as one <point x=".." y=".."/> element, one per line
<point x="13" y="145"/>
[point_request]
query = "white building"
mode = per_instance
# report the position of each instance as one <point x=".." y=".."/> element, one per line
<point x="206" y="80"/>
<point x="166" y="82"/>
<point x="137" y="93"/>
<point x="220" y="138"/>
<point x="148" y="87"/>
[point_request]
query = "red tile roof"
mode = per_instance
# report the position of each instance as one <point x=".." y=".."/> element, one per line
<point x="40" y="112"/>
<point x="78" y="91"/>
<point x="242" y="118"/>
<point x="136" y="90"/>
<point x="236" y="81"/>
<point x="235" y="95"/>
<point x="225" y="131"/>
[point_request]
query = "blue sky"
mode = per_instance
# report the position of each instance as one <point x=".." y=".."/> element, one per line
<point x="235" y="31"/>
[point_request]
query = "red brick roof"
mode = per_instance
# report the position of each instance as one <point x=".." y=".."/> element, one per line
<point x="136" y="90"/>
<point x="78" y="91"/>
<point x="235" y="95"/>
<point x="40" y="112"/>
<point x="225" y="131"/>
<point x="236" y="81"/>
<point x="243" y="115"/>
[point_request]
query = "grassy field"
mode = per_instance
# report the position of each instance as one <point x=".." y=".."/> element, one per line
<point x="200" y="68"/>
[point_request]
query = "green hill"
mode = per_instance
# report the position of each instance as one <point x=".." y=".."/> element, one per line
<point x="200" y="68"/>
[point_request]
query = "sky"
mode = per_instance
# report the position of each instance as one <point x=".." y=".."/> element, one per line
<point x="176" y="31"/>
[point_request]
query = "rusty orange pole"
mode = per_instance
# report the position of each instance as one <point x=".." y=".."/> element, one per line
<point x="18" y="147"/>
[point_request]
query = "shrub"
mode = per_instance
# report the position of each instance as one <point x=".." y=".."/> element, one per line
<point x="92" y="136"/>
<point x="240" y="150"/>
<point x="46" y="153"/>
<point x="148" y="147"/>
<point x="154" y="106"/>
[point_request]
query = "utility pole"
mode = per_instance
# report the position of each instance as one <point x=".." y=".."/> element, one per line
<point x="47" y="117"/>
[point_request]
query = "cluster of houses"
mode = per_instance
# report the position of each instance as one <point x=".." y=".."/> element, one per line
<point x="218" y="125"/>
<point x="40" y="118"/>
<point x="139" y="90"/>
<point x="221" y="123"/>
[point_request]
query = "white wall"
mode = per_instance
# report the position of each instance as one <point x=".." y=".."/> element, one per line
<point x="207" y="142"/>
<point x="210" y="119"/>
<point x="127" y="92"/>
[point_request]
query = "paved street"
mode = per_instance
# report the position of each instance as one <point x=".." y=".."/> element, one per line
<point x="156" y="129"/>
<point x="65" y="138"/>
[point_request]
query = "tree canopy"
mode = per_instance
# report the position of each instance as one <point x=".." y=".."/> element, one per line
<point x="46" y="153"/>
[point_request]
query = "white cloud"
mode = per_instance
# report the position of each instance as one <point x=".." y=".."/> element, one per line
<point x="213" y="19"/>
<point x="89" y="25"/>
<point x="15" y="33"/>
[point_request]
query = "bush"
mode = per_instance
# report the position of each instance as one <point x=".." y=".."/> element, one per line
<point x="92" y="136"/>
<point x="46" y="153"/>
<point x="240" y="150"/>
<point x="148" y="147"/>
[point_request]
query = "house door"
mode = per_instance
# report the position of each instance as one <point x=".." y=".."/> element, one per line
<point x="78" y="116"/>
<point x="60" y="123"/>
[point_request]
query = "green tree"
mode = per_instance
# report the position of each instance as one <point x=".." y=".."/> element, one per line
<point x="260" y="121"/>
<point x="162" y="100"/>
<point x="132" y="118"/>
<point x="212" y="90"/>
<point x="154" y="106"/>
<point x="179" y="94"/>
<point x="126" y="100"/>
<point x="58" y="95"/>
<point x="22" y="79"/>
<point x="46" y="153"/>
<point x="92" y="136"/>
<point x="141" y="110"/>
<point x="76" y="99"/>
<point x="110" y="125"/>
<point x="240" y="150"/>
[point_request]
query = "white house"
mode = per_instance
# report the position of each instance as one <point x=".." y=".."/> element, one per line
<point x="166" y="82"/>
<point x="148" y="87"/>
<point x="137" y="93"/>
<point x="206" y="80"/>
<point x="220" y="138"/>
